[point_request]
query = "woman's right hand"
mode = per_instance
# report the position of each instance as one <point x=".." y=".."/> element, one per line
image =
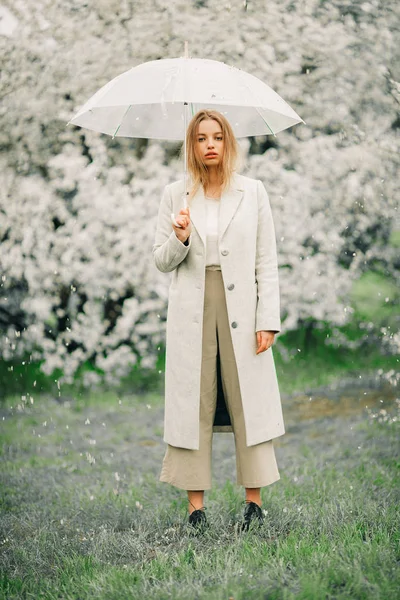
<point x="183" y="232"/>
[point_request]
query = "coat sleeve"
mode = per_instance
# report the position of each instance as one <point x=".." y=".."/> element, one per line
<point x="268" y="303"/>
<point x="168" y="250"/>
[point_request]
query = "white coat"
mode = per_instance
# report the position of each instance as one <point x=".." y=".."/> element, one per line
<point x="247" y="247"/>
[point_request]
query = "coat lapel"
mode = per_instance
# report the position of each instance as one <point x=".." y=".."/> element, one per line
<point x="229" y="203"/>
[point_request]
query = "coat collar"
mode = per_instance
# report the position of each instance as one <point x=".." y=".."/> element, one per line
<point x="229" y="203"/>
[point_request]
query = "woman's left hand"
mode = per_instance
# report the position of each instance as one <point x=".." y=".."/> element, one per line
<point x="265" y="339"/>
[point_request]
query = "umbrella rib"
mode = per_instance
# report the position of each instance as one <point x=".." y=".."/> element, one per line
<point x="116" y="131"/>
<point x="265" y="121"/>
<point x="257" y="109"/>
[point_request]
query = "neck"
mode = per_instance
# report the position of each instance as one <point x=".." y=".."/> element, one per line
<point x="214" y="176"/>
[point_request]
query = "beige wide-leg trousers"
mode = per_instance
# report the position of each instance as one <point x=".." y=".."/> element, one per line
<point x="191" y="469"/>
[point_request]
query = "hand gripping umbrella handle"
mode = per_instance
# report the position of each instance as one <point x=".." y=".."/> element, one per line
<point x="174" y="221"/>
<point x="173" y="216"/>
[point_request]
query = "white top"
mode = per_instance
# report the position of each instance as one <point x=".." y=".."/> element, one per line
<point x="212" y="212"/>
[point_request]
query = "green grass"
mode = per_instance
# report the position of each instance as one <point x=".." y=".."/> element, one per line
<point x="303" y="363"/>
<point x="23" y="377"/>
<point x="74" y="529"/>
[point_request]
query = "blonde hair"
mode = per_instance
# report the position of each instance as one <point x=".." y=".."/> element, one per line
<point x="197" y="169"/>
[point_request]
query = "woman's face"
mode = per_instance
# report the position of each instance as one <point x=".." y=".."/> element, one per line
<point x="210" y="142"/>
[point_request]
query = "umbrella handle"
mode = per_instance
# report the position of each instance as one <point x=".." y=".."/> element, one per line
<point x="174" y="221"/>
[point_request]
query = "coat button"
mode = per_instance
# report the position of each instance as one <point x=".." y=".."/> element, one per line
<point x="231" y="286"/>
<point x="234" y="324"/>
<point x="224" y="252"/>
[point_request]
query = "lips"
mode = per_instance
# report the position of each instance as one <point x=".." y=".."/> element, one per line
<point x="211" y="154"/>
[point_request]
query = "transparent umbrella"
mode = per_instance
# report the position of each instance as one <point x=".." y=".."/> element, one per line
<point x="156" y="99"/>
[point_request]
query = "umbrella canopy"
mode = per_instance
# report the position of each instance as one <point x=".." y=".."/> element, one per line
<point x="151" y="100"/>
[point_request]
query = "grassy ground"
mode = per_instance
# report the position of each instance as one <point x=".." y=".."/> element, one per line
<point x="83" y="514"/>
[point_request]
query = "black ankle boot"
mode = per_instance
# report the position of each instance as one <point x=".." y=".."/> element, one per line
<point x="198" y="519"/>
<point x="252" y="513"/>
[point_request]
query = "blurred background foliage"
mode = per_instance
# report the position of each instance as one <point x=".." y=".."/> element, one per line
<point x="81" y="303"/>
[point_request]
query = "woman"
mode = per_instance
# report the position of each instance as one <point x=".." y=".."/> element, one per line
<point x="223" y="314"/>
